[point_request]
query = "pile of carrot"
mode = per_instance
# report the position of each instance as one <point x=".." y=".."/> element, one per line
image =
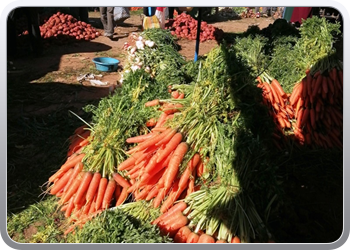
<point x="176" y="224"/>
<point x="154" y="164"/>
<point x="318" y="102"/>
<point x="312" y="112"/>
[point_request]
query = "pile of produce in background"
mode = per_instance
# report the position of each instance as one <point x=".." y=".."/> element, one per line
<point x="186" y="151"/>
<point x="185" y="26"/>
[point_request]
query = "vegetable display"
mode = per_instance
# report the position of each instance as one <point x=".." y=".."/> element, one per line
<point x="178" y="148"/>
<point x="64" y="28"/>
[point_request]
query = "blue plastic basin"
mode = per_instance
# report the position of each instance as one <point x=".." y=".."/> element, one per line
<point x="106" y="63"/>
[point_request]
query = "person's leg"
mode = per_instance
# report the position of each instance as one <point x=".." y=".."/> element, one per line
<point x="104" y="21"/>
<point x="110" y="20"/>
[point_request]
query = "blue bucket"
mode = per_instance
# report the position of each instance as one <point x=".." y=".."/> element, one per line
<point x="106" y="63"/>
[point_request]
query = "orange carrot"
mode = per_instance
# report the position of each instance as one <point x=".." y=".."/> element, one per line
<point x="182" y="235"/>
<point x="120" y="180"/>
<point x="152" y="141"/>
<point x="161" y="119"/>
<point x="181" y="96"/>
<point x="236" y="239"/>
<point x="192" y="238"/>
<point x="296" y="94"/>
<point x="173" y="223"/>
<point x="206" y="238"/>
<point x="70" y="207"/>
<point x="175" y="94"/>
<point x="129" y="162"/>
<point x="151" y="122"/>
<point x="139" y="138"/>
<point x="91" y="191"/>
<point x="189" y="169"/>
<point x="108" y="193"/>
<point x="153" y="193"/>
<point x="174" y="164"/>
<point x="72" y="189"/>
<point x="100" y="192"/>
<point x="76" y="170"/>
<point x="122" y="197"/>
<point x="318" y="83"/>
<point x="72" y="162"/>
<point x="171" y="145"/>
<point x="166" y="138"/>
<point x="160" y="197"/>
<point x="84" y="185"/>
<point x="180" y="206"/>
<point x="61" y="183"/>
<point x="152" y="103"/>
<point x="278" y="88"/>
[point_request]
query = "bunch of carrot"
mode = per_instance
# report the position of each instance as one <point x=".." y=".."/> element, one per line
<point x="318" y="102"/>
<point x="154" y="164"/>
<point x="177" y="225"/>
<point x="78" y="140"/>
<point x="312" y="112"/>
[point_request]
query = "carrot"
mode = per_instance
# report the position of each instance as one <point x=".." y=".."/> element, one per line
<point x="172" y="225"/>
<point x="189" y="169"/>
<point x="305" y="117"/>
<point x="166" y="138"/>
<point x="160" y="197"/>
<point x="117" y="192"/>
<point x="281" y="121"/>
<point x="151" y="122"/>
<point x="152" y="103"/>
<point x="318" y="83"/>
<point x="86" y="208"/>
<point x="146" y="154"/>
<point x="72" y="189"/>
<point x="171" y="145"/>
<point x="278" y="88"/>
<point x="236" y="239"/>
<point x="122" y="197"/>
<point x="181" y="96"/>
<point x="151" y="164"/>
<point x="84" y="185"/>
<point x="64" y="208"/>
<point x="206" y="238"/>
<point x="108" y="193"/>
<point x="100" y="192"/>
<point x="175" y="94"/>
<point x="72" y="162"/>
<point x="92" y="207"/>
<point x="297" y="93"/>
<point x="180" y="206"/>
<point x="152" y="141"/>
<point x="159" y="129"/>
<point x="129" y="162"/>
<point x="192" y="238"/>
<point x="91" y="191"/>
<point x="182" y="235"/>
<point x="268" y="91"/>
<point x="69" y="207"/>
<point x="61" y="183"/>
<point x="153" y="193"/>
<point x="139" y="138"/>
<point x="191" y="188"/>
<point x="174" y="163"/>
<point x="120" y="180"/>
<point x="161" y="119"/>
<point x="275" y="95"/>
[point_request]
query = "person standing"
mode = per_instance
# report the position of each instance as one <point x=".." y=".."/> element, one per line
<point x="107" y="21"/>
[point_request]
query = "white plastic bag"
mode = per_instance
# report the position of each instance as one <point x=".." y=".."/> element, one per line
<point x="120" y="14"/>
<point x="161" y="16"/>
